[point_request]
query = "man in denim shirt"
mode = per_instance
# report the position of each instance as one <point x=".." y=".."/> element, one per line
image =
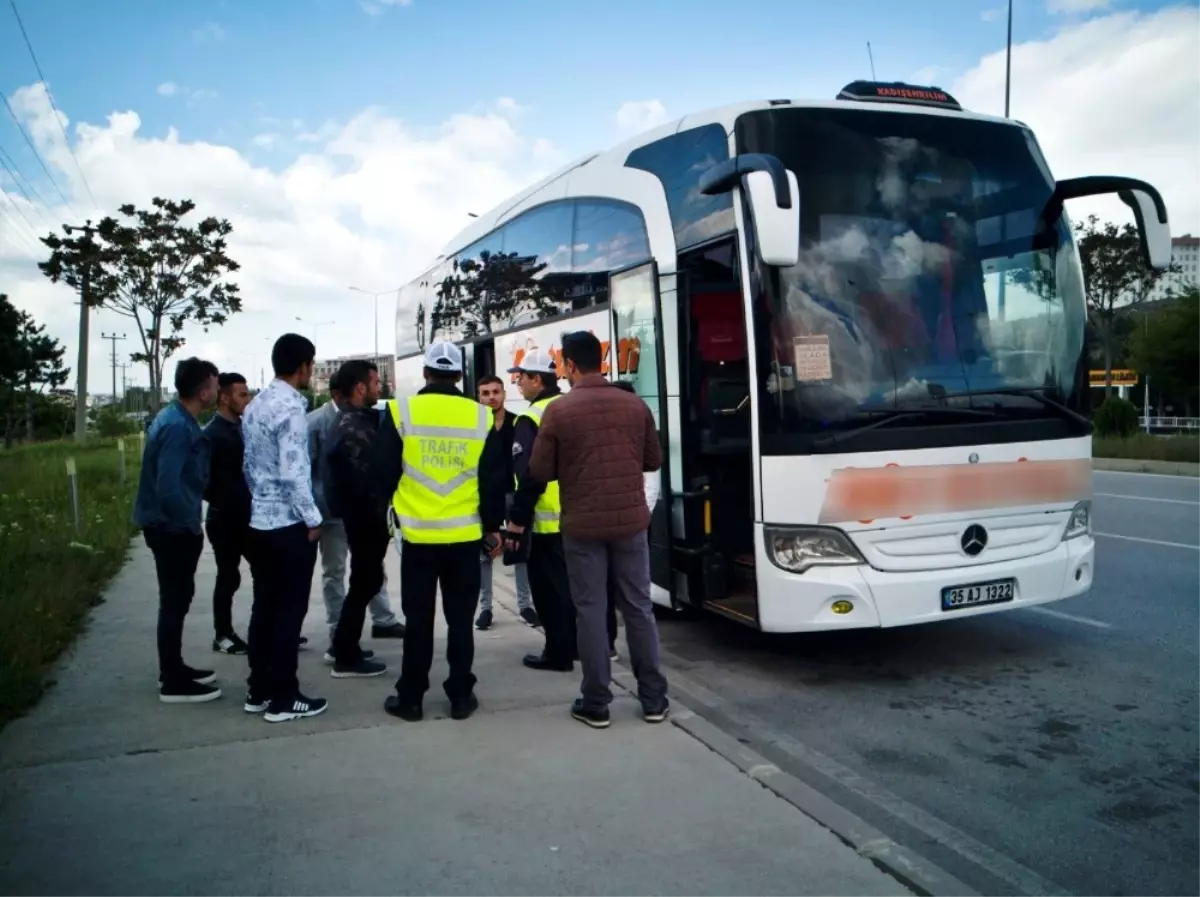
<point x="170" y="491"/>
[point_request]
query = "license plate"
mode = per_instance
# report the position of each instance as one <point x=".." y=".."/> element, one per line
<point x="995" y="592"/>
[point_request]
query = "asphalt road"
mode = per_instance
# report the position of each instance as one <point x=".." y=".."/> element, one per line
<point x="1029" y="752"/>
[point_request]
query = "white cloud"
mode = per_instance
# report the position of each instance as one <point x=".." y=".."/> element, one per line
<point x="369" y="204"/>
<point x="266" y="141"/>
<point x="377" y="7"/>
<point x="1068" y="7"/>
<point x="167" y="89"/>
<point x="636" y="116"/>
<point x="994" y="14"/>
<point x="209" y="32"/>
<point x="1112" y="95"/>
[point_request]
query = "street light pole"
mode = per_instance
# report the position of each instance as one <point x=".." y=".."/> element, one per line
<point x="1008" y="62"/>
<point x="376" y="298"/>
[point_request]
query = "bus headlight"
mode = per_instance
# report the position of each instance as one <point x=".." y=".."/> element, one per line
<point x="1080" y="523"/>
<point x="797" y="549"/>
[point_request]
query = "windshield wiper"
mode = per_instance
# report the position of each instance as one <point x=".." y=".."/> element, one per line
<point x="1037" y="393"/>
<point x="891" y="415"/>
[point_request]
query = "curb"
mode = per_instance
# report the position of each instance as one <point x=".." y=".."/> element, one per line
<point x="1165" y="468"/>
<point x="910" y="869"/>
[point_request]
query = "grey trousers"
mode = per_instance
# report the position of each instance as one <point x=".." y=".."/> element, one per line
<point x="589" y="567"/>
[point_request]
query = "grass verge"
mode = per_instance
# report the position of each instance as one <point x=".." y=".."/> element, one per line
<point x="1144" y="447"/>
<point x="50" y="575"/>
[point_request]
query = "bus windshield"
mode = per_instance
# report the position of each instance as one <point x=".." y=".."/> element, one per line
<point x="928" y="282"/>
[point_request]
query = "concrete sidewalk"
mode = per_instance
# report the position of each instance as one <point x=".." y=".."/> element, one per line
<point x="104" y="790"/>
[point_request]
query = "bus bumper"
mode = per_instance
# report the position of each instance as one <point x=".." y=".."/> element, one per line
<point x="804" y="602"/>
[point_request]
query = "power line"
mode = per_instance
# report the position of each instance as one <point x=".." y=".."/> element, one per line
<point x="50" y="97"/>
<point x="14" y="171"/>
<point x="36" y="154"/>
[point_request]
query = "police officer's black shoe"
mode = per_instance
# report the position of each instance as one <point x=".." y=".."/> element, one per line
<point x="403" y="709"/>
<point x="541" y="662"/>
<point x="464" y="707"/>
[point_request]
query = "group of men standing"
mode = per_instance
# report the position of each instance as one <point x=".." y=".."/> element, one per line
<point x="444" y="472"/>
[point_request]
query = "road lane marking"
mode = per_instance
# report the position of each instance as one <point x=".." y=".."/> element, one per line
<point x="1138" y="473"/>
<point x="1166" y="501"/>
<point x="1148" y="541"/>
<point x="1059" y="615"/>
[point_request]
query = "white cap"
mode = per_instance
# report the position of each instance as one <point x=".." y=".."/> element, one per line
<point x="442" y="356"/>
<point x="537" y="361"/>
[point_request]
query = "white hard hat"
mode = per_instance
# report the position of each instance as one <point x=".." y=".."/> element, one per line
<point x="536" y="362"/>
<point x="443" y="356"/>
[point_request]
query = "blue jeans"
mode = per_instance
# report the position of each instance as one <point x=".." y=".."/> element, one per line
<point x="524" y="599"/>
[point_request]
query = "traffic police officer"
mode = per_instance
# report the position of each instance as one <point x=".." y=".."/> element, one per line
<point x="537" y="505"/>
<point x="451" y="493"/>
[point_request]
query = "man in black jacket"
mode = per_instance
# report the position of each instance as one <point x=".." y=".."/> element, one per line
<point x="536" y="509"/>
<point x="228" y="497"/>
<point x="358" y="494"/>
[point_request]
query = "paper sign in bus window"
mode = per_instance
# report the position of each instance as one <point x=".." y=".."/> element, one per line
<point x="813" y="362"/>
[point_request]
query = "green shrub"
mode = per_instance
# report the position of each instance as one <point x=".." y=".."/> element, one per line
<point x="1145" y="447"/>
<point x="1116" y="417"/>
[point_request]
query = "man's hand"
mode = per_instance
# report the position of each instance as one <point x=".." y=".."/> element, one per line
<point x="314" y="533"/>
<point x="499" y="549"/>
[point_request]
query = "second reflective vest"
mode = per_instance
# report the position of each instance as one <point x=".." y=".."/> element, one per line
<point x="547" y="513"/>
<point x="437" y="501"/>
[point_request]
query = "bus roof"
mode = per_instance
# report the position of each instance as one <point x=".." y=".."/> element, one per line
<point x="555" y="188"/>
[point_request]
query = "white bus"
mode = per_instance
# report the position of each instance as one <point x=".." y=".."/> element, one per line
<point x="860" y="326"/>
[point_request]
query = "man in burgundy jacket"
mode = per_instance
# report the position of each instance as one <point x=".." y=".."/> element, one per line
<point x="597" y="441"/>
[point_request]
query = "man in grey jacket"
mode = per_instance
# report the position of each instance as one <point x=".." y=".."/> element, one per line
<point x="334" y="546"/>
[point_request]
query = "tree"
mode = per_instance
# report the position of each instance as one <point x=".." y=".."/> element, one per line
<point x="1167" y="349"/>
<point x="1115" y="277"/>
<point x="493" y="289"/>
<point x="30" y="361"/>
<point x="155" y="269"/>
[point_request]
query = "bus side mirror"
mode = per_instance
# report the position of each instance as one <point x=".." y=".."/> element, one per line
<point x="776" y="230"/>
<point x="1149" y="210"/>
<point x="774" y="198"/>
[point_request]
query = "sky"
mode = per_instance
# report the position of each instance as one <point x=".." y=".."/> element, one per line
<point x="347" y="140"/>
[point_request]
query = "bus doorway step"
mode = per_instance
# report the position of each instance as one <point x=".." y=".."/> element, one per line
<point x="740" y="606"/>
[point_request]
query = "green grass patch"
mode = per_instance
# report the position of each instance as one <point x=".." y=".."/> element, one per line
<point x="50" y="575"/>
<point x="1145" y="447"/>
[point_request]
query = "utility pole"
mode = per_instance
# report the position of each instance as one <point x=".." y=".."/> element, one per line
<point x="81" y="366"/>
<point x="124" y="385"/>
<point x="1008" y="62"/>
<point x="112" y="338"/>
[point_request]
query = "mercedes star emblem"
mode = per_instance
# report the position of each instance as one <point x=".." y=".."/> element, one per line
<point x="974" y="539"/>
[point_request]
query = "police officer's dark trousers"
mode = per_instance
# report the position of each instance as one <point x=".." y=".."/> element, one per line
<point x="423" y="568"/>
<point x="551" y="593"/>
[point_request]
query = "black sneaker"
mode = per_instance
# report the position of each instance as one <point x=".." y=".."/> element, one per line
<point x="298" y="707"/>
<point x="396" y="630"/>
<point x="597" y="719"/>
<point x="657" y="714"/>
<point x="542" y="662"/>
<point x="484" y="621"/>
<point x="404" y="710"/>
<point x="365" y="652"/>
<point x="303" y="641"/>
<point x="255" y="703"/>
<point x="464" y="707"/>
<point x="188" y="692"/>
<point x="203" y="677"/>
<point x="229" y="644"/>
<point x="530" y="617"/>
<point x="364" y="668"/>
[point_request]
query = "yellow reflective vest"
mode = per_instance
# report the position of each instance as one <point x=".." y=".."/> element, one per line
<point x="437" y="501"/>
<point x="547" y="513"/>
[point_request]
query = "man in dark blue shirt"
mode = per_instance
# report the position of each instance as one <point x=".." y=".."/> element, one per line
<point x="170" y="492"/>
<point x="228" y="497"/>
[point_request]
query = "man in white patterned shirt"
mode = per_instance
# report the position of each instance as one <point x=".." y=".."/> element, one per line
<point x="285" y="525"/>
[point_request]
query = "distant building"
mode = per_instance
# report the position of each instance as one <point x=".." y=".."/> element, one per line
<point x="1185" y="252"/>
<point x="327" y="367"/>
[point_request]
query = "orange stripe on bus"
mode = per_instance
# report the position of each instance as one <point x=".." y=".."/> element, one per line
<point x="868" y="494"/>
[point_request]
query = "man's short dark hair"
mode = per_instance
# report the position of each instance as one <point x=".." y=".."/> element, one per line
<point x="191" y="374"/>
<point x="436" y="376"/>
<point x="487" y="379"/>
<point x="228" y="380"/>
<point x="584" y="349"/>
<point x="290" y="353"/>
<point x="352" y="373"/>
